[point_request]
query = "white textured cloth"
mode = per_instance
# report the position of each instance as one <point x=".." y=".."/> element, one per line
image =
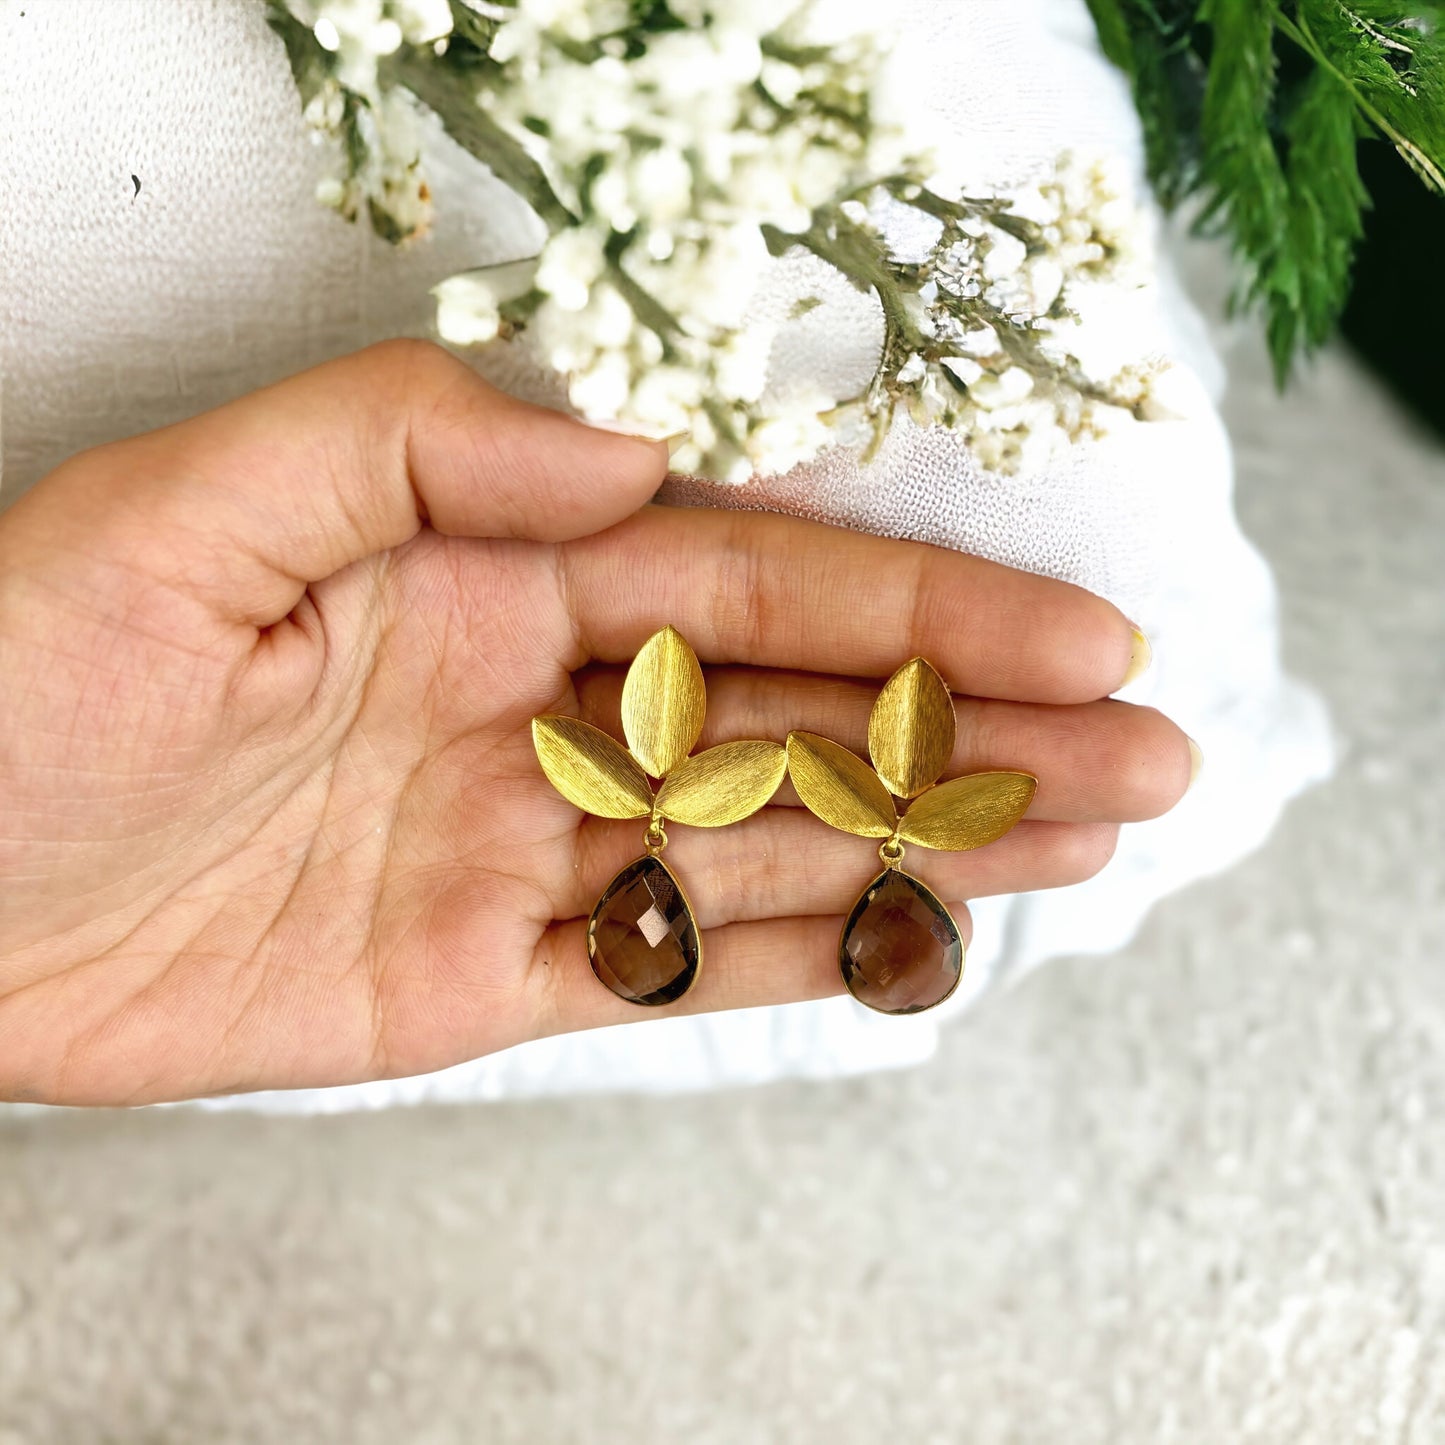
<point x="123" y="310"/>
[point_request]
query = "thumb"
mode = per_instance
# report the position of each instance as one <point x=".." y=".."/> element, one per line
<point x="247" y="504"/>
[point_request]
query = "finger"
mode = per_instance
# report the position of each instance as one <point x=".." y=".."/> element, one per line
<point x="784" y="862"/>
<point x="253" y="501"/>
<point x="744" y="965"/>
<point x="760" y="588"/>
<point x="1102" y="761"/>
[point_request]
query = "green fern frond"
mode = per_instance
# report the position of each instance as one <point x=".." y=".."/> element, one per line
<point x="1326" y="204"/>
<point x="1257" y="107"/>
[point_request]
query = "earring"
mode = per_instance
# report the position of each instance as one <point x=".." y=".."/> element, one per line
<point x="642" y="937"/>
<point x="900" y="951"/>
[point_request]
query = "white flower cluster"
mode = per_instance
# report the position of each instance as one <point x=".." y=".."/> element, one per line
<point x="678" y="148"/>
<point x="378" y="126"/>
<point x="360" y="32"/>
<point x="672" y="149"/>
<point x="991" y="322"/>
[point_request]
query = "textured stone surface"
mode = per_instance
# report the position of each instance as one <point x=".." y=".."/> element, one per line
<point x="642" y="938"/>
<point x="900" y="951"/>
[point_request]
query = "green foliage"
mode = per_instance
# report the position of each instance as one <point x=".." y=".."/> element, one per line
<point x="310" y="64"/>
<point x="449" y="87"/>
<point x="1256" y="108"/>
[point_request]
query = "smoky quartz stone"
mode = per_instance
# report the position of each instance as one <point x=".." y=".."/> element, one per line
<point x="900" y="951"/>
<point x="642" y="938"/>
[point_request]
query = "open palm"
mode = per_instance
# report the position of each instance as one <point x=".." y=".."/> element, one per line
<point x="270" y="814"/>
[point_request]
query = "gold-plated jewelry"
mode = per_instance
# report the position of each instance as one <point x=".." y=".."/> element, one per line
<point x="642" y="938"/>
<point x="900" y="951"/>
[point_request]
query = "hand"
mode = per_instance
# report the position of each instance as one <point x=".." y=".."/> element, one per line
<point x="270" y="814"/>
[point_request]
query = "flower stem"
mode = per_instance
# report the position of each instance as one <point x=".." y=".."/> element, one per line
<point x="451" y="93"/>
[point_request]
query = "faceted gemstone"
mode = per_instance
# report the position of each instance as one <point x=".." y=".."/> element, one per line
<point x="642" y="938"/>
<point x="900" y="952"/>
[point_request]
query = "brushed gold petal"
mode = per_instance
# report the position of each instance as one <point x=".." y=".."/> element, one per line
<point x="590" y="769"/>
<point x="839" y="786"/>
<point x="968" y="812"/>
<point x="911" y="729"/>
<point x="663" y="702"/>
<point x="723" y="784"/>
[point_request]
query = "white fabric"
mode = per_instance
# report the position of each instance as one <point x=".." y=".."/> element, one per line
<point x="123" y="311"/>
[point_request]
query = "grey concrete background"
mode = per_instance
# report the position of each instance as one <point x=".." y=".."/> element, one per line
<point x="1191" y="1193"/>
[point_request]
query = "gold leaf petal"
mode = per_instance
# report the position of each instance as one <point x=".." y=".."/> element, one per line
<point x="663" y="702"/>
<point x="722" y="785"/>
<point x="590" y="769"/>
<point x="839" y="786"/>
<point x="968" y="812"/>
<point x="911" y="729"/>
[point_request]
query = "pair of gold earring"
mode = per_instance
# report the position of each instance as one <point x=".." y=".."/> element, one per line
<point x="900" y="950"/>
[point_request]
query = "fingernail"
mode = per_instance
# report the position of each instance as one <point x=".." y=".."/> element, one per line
<point x="1140" y="655"/>
<point x="1196" y="761"/>
<point x="629" y="429"/>
<point x="617" y="428"/>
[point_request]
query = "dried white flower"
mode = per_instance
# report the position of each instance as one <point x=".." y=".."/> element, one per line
<point x="671" y="154"/>
<point x="469" y="306"/>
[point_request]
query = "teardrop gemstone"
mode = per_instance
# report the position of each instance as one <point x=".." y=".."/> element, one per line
<point x="900" y="951"/>
<point x="642" y="938"/>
